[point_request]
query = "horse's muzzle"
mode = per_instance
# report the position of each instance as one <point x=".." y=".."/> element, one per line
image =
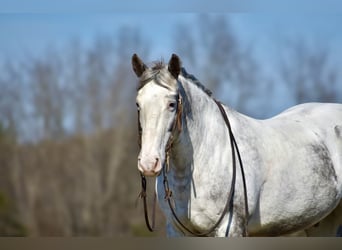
<point x="149" y="166"/>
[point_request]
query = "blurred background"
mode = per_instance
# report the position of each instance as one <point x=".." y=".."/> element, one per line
<point x="68" y="125"/>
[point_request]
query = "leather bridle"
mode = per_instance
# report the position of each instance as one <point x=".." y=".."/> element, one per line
<point x="176" y="128"/>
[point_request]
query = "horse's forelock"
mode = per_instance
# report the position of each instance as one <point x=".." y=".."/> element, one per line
<point x="158" y="65"/>
<point x="159" y="73"/>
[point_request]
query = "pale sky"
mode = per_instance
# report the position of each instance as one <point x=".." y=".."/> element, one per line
<point x="30" y="27"/>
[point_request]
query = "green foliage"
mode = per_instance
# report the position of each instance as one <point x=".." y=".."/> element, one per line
<point x="6" y="135"/>
<point x="2" y="131"/>
<point x="9" y="226"/>
<point x="140" y="230"/>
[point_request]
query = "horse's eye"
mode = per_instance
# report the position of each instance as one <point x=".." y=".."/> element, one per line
<point x="172" y="106"/>
<point x="138" y="107"/>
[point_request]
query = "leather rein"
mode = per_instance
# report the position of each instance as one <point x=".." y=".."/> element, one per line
<point x="177" y="125"/>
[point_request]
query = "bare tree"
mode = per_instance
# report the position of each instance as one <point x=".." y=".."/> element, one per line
<point x="95" y="85"/>
<point x="309" y="72"/>
<point x="75" y="85"/>
<point x="223" y="64"/>
<point x="48" y="94"/>
<point x="11" y="100"/>
<point x="185" y="43"/>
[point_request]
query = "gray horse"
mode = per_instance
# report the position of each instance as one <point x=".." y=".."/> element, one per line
<point x="292" y="163"/>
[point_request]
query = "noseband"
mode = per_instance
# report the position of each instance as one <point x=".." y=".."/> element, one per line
<point x="176" y="128"/>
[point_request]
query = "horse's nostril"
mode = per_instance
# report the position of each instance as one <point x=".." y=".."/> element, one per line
<point x="156" y="163"/>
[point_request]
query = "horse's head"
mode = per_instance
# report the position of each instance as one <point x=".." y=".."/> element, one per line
<point x="158" y="103"/>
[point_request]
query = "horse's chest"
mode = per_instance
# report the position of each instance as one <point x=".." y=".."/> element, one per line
<point x="192" y="207"/>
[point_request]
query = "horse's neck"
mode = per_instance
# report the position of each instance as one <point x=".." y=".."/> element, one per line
<point x="197" y="152"/>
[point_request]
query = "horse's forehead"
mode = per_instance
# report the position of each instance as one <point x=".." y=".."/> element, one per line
<point x="155" y="91"/>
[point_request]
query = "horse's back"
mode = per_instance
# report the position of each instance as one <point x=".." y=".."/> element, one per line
<point x="321" y="113"/>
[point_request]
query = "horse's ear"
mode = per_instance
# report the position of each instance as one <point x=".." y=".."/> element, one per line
<point x="174" y="66"/>
<point x="138" y="65"/>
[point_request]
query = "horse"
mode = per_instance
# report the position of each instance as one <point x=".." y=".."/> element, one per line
<point x="220" y="173"/>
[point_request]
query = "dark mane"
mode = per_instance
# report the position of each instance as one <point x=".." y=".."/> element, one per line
<point x="158" y="66"/>
<point x="195" y="81"/>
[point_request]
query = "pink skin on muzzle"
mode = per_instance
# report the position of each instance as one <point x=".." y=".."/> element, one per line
<point x="149" y="165"/>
